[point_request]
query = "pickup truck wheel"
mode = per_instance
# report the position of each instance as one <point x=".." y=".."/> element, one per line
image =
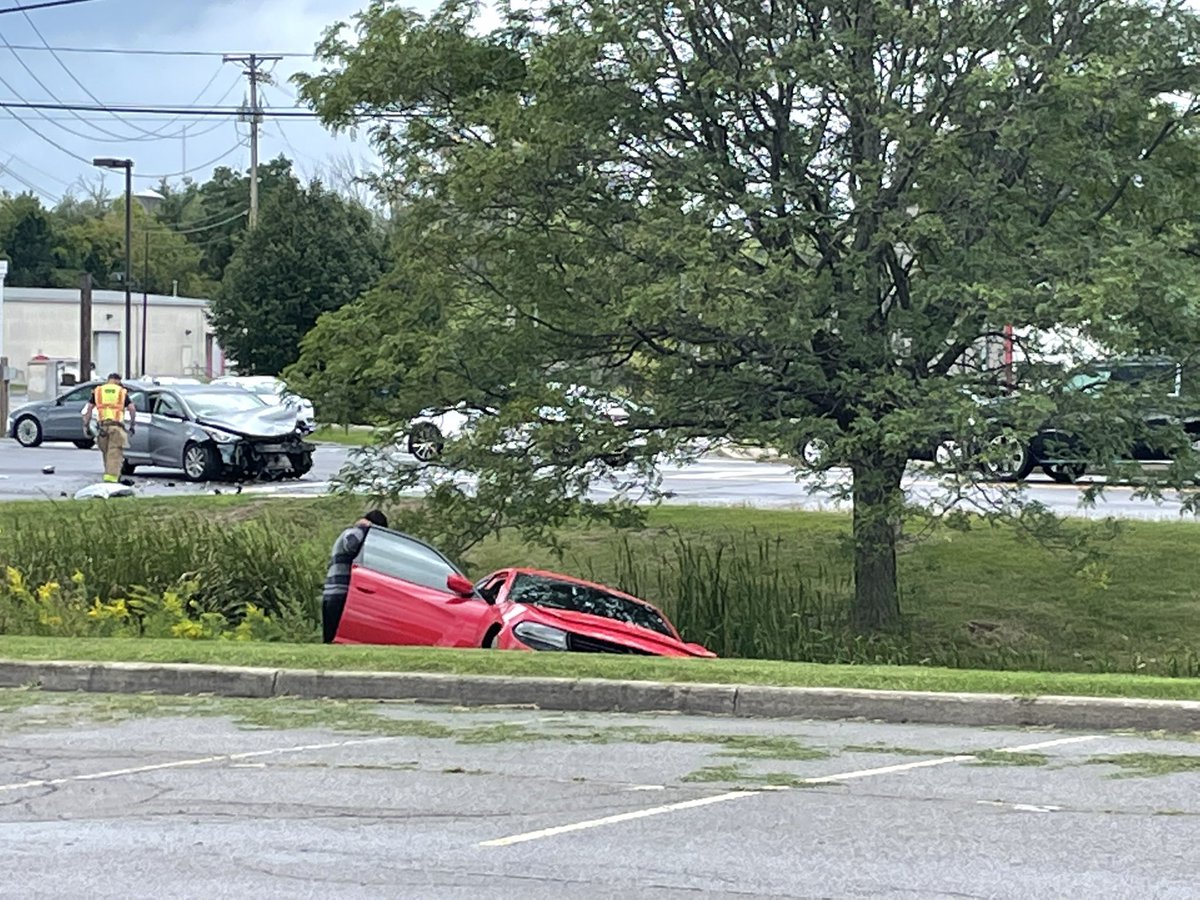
<point x="1008" y="459"/>
<point x="200" y="462"/>
<point x="1065" y="473"/>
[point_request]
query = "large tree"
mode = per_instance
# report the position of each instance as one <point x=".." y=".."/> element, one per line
<point x="763" y="221"/>
<point x="28" y="240"/>
<point x="311" y="253"/>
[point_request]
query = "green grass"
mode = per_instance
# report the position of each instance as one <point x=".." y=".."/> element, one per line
<point x="513" y="664"/>
<point x="748" y="583"/>
<point x="354" y="436"/>
<point x="1144" y="765"/>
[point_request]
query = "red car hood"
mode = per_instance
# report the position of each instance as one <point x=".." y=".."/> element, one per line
<point x="604" y="629"/>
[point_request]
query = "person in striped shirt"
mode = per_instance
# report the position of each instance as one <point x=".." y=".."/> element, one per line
<point x="337" y="580"/>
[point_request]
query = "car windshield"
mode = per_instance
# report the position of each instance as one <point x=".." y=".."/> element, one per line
<point x="218" y="402"/>
<point x="553" y="593"/>
<point x="1147" y="374"/>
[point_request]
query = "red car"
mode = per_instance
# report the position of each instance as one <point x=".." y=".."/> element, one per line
<point x="402" y="591"/>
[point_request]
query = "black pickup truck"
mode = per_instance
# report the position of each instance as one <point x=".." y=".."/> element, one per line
<point x="1161" y="415"/>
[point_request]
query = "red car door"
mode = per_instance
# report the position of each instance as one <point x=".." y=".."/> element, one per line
<point x="399" y="595"/>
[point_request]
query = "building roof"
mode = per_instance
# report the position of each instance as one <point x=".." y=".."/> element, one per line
<point x="71" y="295"/>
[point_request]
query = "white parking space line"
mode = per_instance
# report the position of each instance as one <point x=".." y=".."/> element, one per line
<point x="737" y="795"/>
<point x="620" y="817"/>
<point x="183" y="763"/>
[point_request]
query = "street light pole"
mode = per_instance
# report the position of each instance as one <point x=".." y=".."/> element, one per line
<point x="145" y="298"/>
<point x="127" y="165"/>
<point x="128" y="269"/>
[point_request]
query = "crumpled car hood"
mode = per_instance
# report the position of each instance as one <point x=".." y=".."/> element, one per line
<point x="599" y="626"/>
<point x="270" y="421"/>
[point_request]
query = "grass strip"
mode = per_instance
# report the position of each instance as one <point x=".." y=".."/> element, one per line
<point x="484" y="662"/>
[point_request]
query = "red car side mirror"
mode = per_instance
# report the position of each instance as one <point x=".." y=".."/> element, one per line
<point x="459" y="585"/>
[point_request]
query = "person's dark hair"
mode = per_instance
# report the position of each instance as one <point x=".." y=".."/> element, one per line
<point x="376" y="517"/>
<point x="114" y="376"/>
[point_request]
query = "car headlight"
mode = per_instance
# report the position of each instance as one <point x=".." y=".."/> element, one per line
<point x="221" y="437"/>
<point x="541" y="637"/>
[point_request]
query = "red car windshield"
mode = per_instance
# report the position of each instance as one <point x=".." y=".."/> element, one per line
<point x="552" y="593"/>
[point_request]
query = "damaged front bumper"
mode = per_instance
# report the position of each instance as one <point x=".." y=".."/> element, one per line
<point x="266" y="459"/>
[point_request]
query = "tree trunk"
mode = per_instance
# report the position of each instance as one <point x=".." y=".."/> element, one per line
<point x="878" y="503"/>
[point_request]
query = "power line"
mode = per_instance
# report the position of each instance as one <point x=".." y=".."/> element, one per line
<point x="194" y="111"/>
<point x="47" y="5"/>
<point x="138" y="52"/>
<point x="158" y="134"/>
<point x="6" y="169"/>
<point x="233" y="218"/>
<point x="58" y="59"/>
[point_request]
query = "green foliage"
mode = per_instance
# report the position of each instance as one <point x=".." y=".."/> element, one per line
<point x="273" y="563"/>
<point x="27" y="240"/>
<point x="311" y="253"/>
<point x="760" y="224"/>
<point x="746" y="583"/>
<point x="53" y="609"/>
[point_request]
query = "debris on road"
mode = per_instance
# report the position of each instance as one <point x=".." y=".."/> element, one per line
<point x="103" y="491"/>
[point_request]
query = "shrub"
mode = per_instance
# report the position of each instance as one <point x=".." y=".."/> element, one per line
<point x="54" y="609"/>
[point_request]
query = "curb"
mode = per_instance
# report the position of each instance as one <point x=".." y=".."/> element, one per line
<point x="602" y="695"/>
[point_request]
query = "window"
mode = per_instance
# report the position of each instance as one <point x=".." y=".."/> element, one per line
<point x="80" y="395"/>
<point x="141" y="402"/>
<point x="165" y="404"/>
<point x="537" y="590"/>
<point x="399" y="556"/>
<point x="490" y="590"/>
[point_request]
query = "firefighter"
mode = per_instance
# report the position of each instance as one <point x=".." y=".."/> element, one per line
<point x="111" y="403"/>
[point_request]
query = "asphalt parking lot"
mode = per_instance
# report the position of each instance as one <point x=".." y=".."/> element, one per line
<point x="128" y="796"/>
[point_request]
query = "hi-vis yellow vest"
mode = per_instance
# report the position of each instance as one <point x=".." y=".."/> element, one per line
<point x="109" y="400"/>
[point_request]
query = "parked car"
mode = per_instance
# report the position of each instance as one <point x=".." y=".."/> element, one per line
<point x="57" y="420"/>
<point x="274" y="391"/>
<point x="215" y="432"/>
<point x="403" y="591"/>
<point x="429" y="431"/>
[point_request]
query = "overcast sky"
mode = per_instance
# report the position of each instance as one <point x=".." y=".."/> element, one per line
<point x="31" y="160"/>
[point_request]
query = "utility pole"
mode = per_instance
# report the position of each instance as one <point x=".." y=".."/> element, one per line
<point x="253" y="71"/>
<point x="85" y="326"/>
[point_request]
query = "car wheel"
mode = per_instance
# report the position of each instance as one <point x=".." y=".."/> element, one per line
<point x="1065" y="473"/>
<point x="1008" y="459"/>
<point x="425" y="441"/>
<point x="815" y="453"/>
<point x="28" y="431"/>
<point x="947" y="455"/>
<point x="87" y="444"/>
<point x="302" y="464"/>
<point x="200" y="462"/>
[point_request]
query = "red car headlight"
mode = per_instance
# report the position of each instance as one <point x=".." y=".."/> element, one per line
<point x="540" y="637"/>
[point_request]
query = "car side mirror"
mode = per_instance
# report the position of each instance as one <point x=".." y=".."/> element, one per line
<point x="457" y="584"/>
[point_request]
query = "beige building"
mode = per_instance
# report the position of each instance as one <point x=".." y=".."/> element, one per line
<point x="46" y="322"/>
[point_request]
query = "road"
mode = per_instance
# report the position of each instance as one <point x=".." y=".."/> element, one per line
<point x="179" y="798"/>
<point x="712" y="480"/>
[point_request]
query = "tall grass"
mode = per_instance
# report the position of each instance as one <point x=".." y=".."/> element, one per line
<point x="741" y="592"/>
<point x="744" y="595"/>
<point x="274" y="563"/>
